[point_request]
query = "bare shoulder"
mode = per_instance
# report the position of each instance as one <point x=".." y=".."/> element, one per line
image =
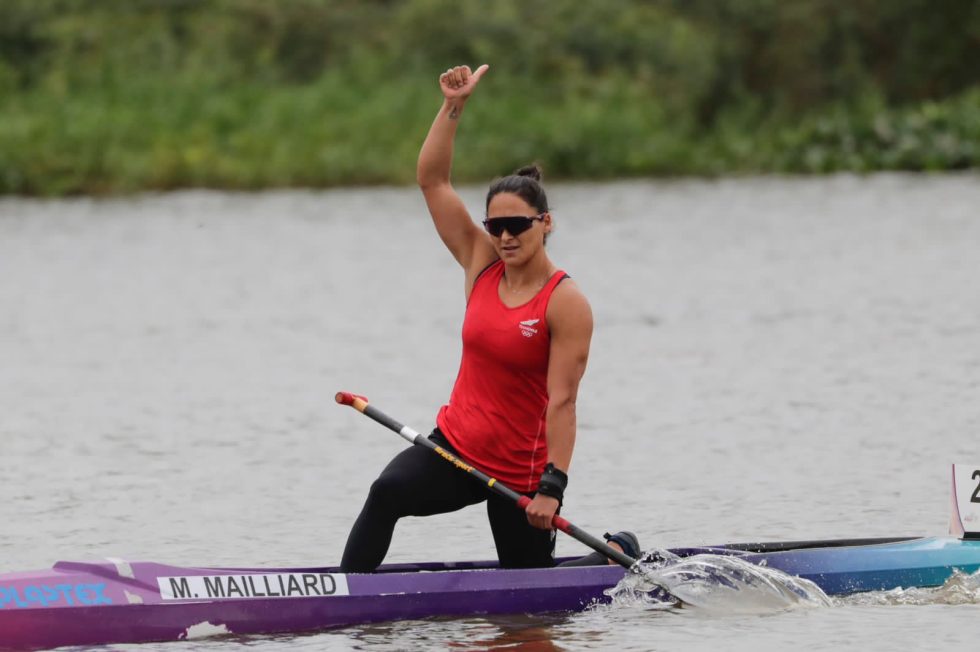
<point x="569" y="309"/>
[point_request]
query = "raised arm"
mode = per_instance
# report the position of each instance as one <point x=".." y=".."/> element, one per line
<point x="570" y="324"/>
<point x="468" y="243"/>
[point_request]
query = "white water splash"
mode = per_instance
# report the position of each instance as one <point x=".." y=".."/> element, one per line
<point x="636" y="590"/>
<point x="960" y="588"/>
<point x="719" y="584"/>
<point x="204" y="630"/>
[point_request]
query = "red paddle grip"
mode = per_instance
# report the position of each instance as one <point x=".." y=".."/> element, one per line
<point x="560" y="523"/>
<point x="346" y="398"/>
<point x="557" y="521"/>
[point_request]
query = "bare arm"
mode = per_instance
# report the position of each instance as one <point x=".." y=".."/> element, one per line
<point x="468" y="244"/>
<point x="570" y="323"/>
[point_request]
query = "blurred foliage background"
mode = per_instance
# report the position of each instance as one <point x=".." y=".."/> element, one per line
<point x="106" y="96"/>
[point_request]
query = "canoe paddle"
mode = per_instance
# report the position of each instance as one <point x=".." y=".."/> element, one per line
<point x="360" y="403"/>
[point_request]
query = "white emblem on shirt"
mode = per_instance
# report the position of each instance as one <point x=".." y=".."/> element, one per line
<point x="527" y="327"/>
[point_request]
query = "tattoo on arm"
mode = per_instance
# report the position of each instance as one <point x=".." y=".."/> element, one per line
<point x="454" y="112"/>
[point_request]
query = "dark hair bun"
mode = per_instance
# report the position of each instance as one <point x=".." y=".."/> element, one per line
<point x="533" y="171"/>
<point x="526" y="184"/>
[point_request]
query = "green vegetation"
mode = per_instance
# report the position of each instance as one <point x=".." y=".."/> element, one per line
<point x="105" y="96"/>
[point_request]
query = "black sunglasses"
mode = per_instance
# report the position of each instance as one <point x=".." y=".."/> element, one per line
<point x="514" y="225"/>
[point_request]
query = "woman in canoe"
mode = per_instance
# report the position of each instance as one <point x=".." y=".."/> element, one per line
<point x="526" y="337"/>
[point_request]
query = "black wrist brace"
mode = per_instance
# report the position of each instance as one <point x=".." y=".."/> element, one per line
<point x="553" y="482"/>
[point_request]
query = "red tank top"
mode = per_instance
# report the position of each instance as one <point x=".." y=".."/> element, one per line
<point x="495" y="417"/>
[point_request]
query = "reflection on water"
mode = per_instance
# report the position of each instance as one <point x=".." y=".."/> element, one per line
<point x="530" y="632"/>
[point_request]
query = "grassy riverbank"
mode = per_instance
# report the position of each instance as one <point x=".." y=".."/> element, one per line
<point x="124" y="95"/>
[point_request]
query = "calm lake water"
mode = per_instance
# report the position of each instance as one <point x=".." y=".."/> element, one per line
<point x="774" y="359"/>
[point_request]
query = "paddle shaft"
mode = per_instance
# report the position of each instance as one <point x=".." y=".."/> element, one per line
<point x="361" y="404"/>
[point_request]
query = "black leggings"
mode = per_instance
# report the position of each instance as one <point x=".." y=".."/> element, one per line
<point x="418" y="483"/>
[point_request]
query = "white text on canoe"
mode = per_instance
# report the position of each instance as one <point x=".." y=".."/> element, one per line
<point x="264" y="585"/>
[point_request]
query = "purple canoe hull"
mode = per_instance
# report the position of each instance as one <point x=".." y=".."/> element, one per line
<point x="47" y="608"/>
<point x="79" y="603"/>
